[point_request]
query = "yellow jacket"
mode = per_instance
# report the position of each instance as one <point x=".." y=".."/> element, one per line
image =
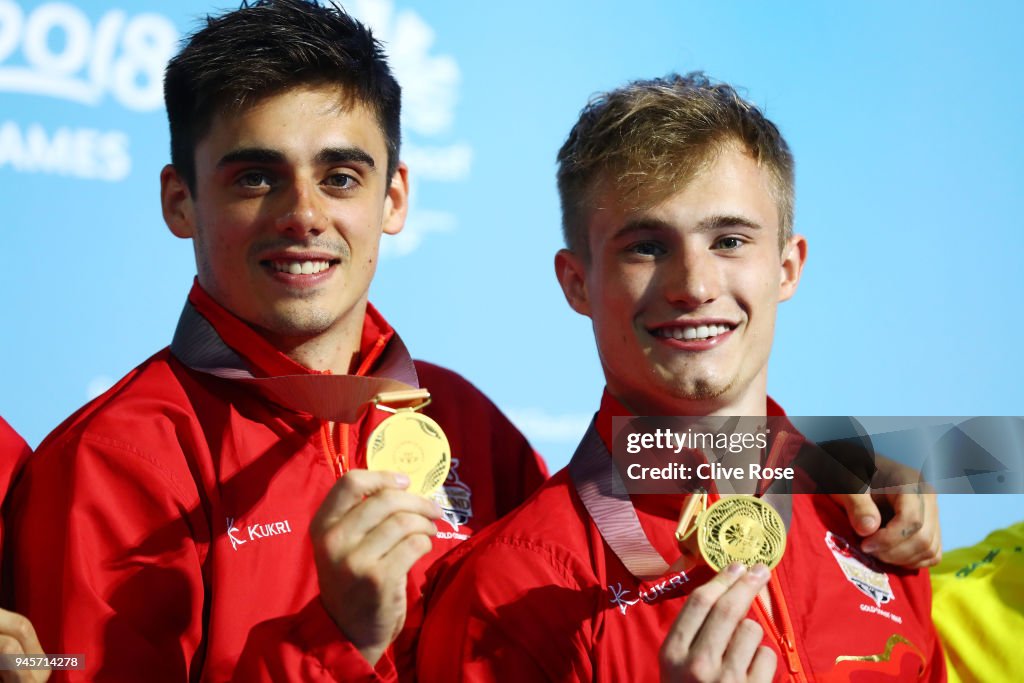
<point x="978" y="608"/>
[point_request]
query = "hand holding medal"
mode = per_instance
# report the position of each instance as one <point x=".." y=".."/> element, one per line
<point x="369" y="531"/>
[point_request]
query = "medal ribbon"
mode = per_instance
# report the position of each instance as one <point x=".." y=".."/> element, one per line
<point x="336" y="398"/>
<point x="603" y="493"/>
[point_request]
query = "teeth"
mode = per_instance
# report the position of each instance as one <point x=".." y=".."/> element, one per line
<point x="300" y="267"/>
<point x="693" y="332"/>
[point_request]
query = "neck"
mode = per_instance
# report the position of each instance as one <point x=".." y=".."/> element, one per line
<point x="335" y="350"/>
<point x="335" y="356"/>
<point x="752" y="401"/>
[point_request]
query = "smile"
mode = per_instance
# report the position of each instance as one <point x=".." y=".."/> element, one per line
<point x="691" y="332"/>
<point x="300" y="267"/>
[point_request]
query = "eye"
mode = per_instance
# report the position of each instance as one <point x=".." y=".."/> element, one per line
<point x="646" y="248"/>
<point x="252" y="179"/>
<point x="729" y="243"/>
<point x="342" y="181"/>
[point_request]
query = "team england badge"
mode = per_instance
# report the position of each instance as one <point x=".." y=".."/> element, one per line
<point x="860" y="569"/>
<point x="455" y="499"/>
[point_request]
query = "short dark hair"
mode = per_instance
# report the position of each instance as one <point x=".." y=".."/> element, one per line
<point x="649" y="138"/>
<point x="266" y="47"/>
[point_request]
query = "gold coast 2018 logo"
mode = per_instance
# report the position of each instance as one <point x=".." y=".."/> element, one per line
<point x="68" y="57"/>
<point x="54" y="50"/>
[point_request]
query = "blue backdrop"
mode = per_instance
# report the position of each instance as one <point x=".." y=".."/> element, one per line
<point x="904" y="119"/>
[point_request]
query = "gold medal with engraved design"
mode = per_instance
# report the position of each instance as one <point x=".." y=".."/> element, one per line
<point x="409" y="442"/>
<point x="740" y="529"/>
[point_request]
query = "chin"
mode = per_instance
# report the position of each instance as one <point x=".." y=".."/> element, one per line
<point x="703" y="391"/>
<point x="309" y="324"/>
<point x="700" y="390"/>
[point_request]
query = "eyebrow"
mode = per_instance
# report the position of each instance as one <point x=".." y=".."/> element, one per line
<point x="709" y="224"/>
<point x="271" y="157"/>
<point x="712" y="223"/>
<point x="345" y="155"/>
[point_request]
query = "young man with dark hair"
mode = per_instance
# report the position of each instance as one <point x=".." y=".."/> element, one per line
<point x="677" y="201"/>
<point x="212" y="516"/>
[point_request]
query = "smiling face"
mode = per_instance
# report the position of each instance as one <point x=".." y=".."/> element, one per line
<point x="290" y="203"/>
<point x="683" y="295"/>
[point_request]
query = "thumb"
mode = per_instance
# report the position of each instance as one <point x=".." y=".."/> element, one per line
<point x="861" y="510"/>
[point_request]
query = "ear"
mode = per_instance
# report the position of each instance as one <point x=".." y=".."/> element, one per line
<point x="176" y="202"/>
<point x="571" y="272"/>
<point x="396" y="203"/>
<point x="794" y="255"/>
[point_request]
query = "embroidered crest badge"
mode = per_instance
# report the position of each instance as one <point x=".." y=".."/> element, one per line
<point x="860" y="570"/>
<point x="455" y="499"/>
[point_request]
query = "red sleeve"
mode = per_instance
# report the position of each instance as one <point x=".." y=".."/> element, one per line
<point x="107" y="555"/>
<point x="508" y="610"/>
<point x="307" y="647"/>
<point x="13" y="454"/>
<point x="105" y="561"/>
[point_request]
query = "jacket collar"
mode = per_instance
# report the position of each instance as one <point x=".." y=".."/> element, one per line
<point x="264" y="360"/>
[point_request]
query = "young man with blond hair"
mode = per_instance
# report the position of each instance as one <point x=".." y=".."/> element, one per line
<point x="677" y="200"/>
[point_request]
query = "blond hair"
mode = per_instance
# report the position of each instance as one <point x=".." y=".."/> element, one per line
<point x="649" y="138"/>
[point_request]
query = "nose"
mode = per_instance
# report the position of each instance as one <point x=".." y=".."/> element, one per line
<point x="301" y="213"/>
<point x="693" y="278"/>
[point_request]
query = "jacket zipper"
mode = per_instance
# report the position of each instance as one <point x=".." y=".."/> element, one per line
<point x="338" y="456"/>
<point x="784" y="635"/>
<point x="338" y="459"/>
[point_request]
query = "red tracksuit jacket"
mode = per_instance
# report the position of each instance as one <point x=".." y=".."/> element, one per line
<point x="541" y="597"/>
<point x="13" y="454"/>
<point x="162" y="529"/>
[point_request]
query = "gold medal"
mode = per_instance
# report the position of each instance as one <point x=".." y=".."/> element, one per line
<point x="409" y="442"/>
<point x="740" y="529"/>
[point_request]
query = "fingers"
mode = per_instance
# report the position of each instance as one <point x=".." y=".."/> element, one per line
<point x="408" y="551"/>
<point x="18" y="637"/>
<point x="372" y="510"/>
<point x="729" y="610"/>
<point x="862" y="511"/>
<point x="762" y="669"/>
<point x="745" y="641"/>
<point x="17" y="627"/>
<point x="369" y="529"/>
<point x="393" y="530"/>
<point x="698" y="605"/>
<point x="912" y="537"/>
<point x="712" y="638"/>
<point x="350" y="491"/>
